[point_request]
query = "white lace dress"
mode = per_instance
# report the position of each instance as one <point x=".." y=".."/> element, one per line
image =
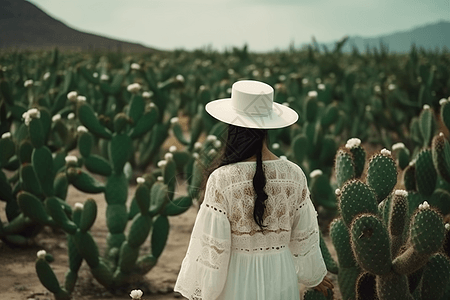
<point x="230" y="257"/>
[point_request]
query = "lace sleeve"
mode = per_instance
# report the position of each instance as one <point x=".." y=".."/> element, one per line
<point x="204" y="269"/>
<point x="304" y="244"/>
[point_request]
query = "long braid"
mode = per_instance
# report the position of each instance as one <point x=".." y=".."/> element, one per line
<point x="259" y="182"/>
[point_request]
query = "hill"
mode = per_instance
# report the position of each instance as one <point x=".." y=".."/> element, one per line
<point x="25" y="26"/>
<point x="430" y="37"/>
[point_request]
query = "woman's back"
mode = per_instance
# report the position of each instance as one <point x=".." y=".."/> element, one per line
<point x="234" y="258"/>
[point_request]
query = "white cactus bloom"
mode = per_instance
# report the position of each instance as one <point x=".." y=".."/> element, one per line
<point x="104" y="77"/>
<point x="391" y="87"/>
<point x="385" y="152"/>
<point x="441" y="134"/>
<point x="134" y="87"/>
<point x="212" y="152"/>
<point x="447" y="226"/>
<point x="81" y="98"/>
<point x="312" y="94"/>
<point x="282" y="77"/>
<point x="397" y="146"/>
<point x="28" y="83"/>
<point x="267" y="73"/>
<point x="318" y="80"/>
<point x="6" y="135"/>
<point x="424" y="205"/>
<point x="79" y="206"/>
<point x="283" y="157"/>
<point x="315" y="173"/>
<point x="32" y="113"/>
<point x="172" y="148"/>
<point x="426" y="106"/>
<point x="217" y="144"/>
<point x="197" y="145"/>
<point x="402" y="193"/>
<point x="81" y="128"/>
<point x="275" y="146"/>
<point x="353" y="143"/>
<point x="337" y="192"/>
<point x="321" y="86"/>
<point x="71" y="116"/>
<point x="71" y="158"/>
<point x="95" y="75"/>
<point x="160" y="178"/>
<point x="368" y="108"/>
<point x="196" y="155"/>
<point x="161" y="163"/>
<point x="174" y="120"/>
<point x="46" y="76"/>
<point x="377" y="89"/>
<point x="179" y="78"/>
<point x="72" y="96"/>
<point x="211" y="138"/>
<point x="443" y="101"/>
<point x="305" y="81"/>
<point x="146" y="95"/>
<point x="230" y="71"/>
<point x="41" y="254"/>
<point x="140" y="180"/>
<point x="135" y="66"/>
<point x="255" y="73"/>
<point x="201" y="88"/>
<point x="168" y="156"/>
<point x="56" y="117"/>
<point x="136" y="294"/>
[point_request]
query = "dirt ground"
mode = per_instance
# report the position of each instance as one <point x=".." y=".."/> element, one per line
<point x="18" y="279"/>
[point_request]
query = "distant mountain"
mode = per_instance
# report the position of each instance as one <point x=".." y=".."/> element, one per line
<point x="430" y="36"/>
<point x="25" y="26"/>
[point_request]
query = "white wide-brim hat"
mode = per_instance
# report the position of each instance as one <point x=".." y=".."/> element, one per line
<point x="251" y="105"/>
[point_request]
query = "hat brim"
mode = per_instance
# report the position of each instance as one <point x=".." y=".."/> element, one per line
<point x="281" y="116"/>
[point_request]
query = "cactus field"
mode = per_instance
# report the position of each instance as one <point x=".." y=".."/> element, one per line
<point x="102" y="158"/>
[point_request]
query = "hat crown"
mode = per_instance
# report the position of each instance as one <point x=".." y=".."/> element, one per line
<point x="251" y="97"/>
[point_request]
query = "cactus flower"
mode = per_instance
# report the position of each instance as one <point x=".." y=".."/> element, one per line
<point x="71" y="116"/>
<point x="168" y="156"/>
<point x="275" y="146"/>
<point x="312" y="94"/>
<point x="197" y="145"/>
<point x="172" y="148"/>
<point x="161" y="163"/>
<point x="95" y="75"/>
<point x="195" y="155"/>
<point x="136" y="294"/>
<point x="56" y="117"/>
<point x="104" y="77"/>
<point x="337" y="192"/>
<point x="385" y="152"/>
<point x="217" y="144"/>
<point x="147" y="94"/>
<point x="230" y="71"/>
<point x="135" y="66"/>
<point x="353" y="143"/>
<point x="174" y="120"/>
<point x="305" y="81"/>
<point x="397" y="146"/>
<point x="28" y="83"/>
<point x="134" y="88"/>
<point x="443" y="101"/>
<point x="426" y="106"/>
<point x="140" y="180"/>
<point x="315" y="173"/>
<point x="282" y="77"/>
<point x="447" y="226"/>
<point x="81" y="128"/>
<point x="79" y="206"/>
<point x="391" y="87"/>
<point x="6" y="135"/>
<point x="46" y="76"/>
<point x="285" y="104"/>
<point x="72" y="96"/>
<point x="377" y="89"/>
<point x="424" y="205"/>
<point x="71" y="159"/>
<point x="321" y="87"/>
<point x="401" y="193"/>
<point x="32" y="113"/>
<point x="179" y="78"/>
<point x="160" y="178"/>
<point x="41" y="254"/>
<point x="212" y="152"/>
<point x="81" y="98"/>
<point x="283" y="157"/>
<point x="211" y="138"/>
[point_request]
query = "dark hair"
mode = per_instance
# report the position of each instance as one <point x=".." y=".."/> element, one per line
<point x="241" y="144"/>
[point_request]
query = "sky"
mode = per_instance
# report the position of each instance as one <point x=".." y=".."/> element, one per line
<point x="263" y="24"/>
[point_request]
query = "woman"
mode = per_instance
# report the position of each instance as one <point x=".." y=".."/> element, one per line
<point x="256" y="234"/>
